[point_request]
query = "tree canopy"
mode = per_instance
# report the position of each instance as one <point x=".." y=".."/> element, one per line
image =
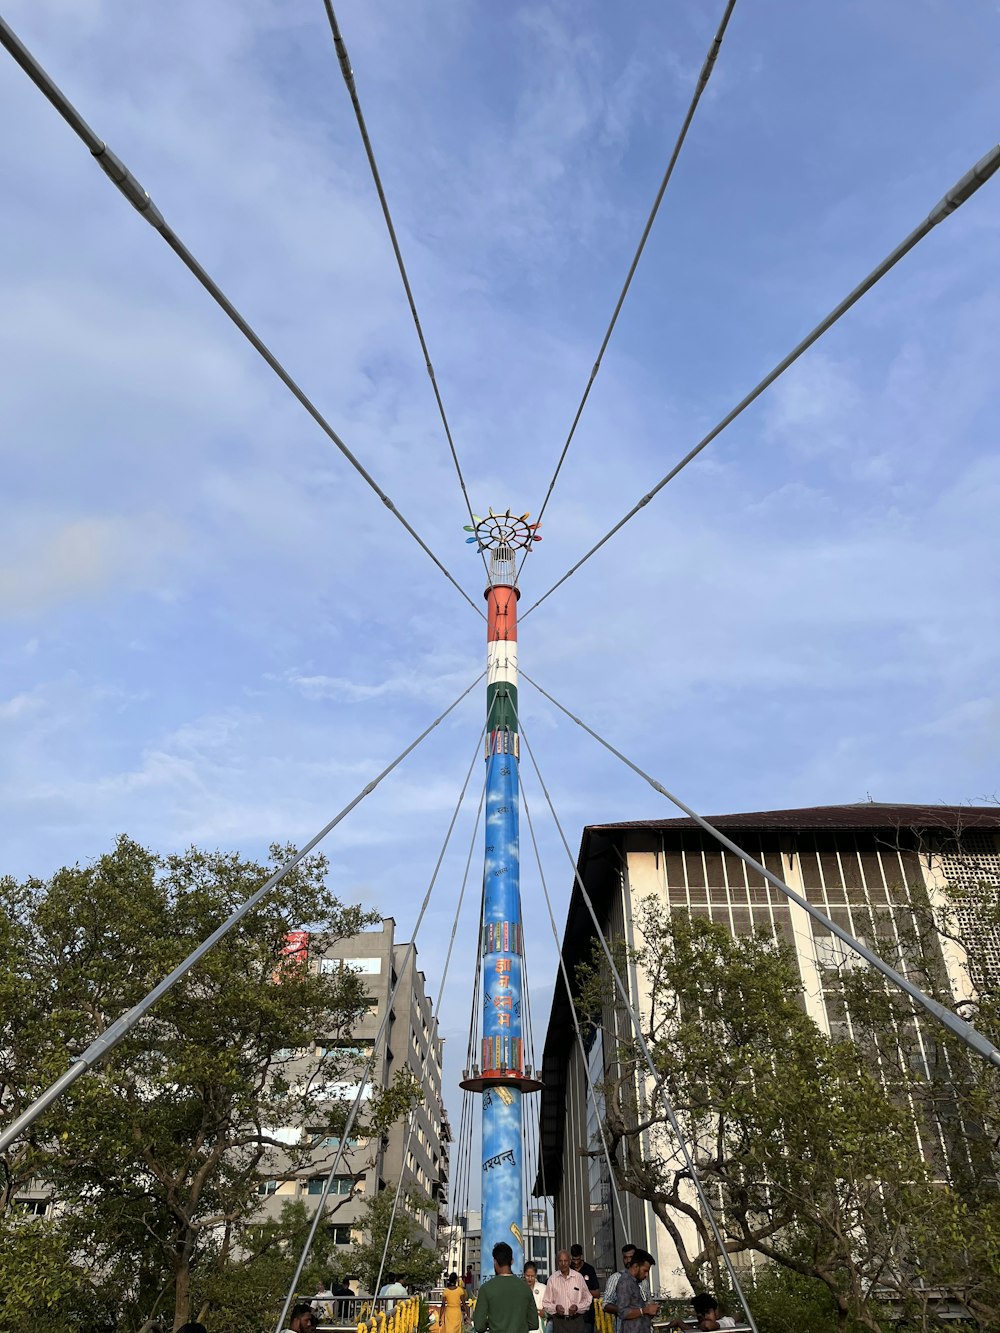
<point x="414" y="1263"/>
<point x="813" y="1149"/>
<point x="155" y="1158"/>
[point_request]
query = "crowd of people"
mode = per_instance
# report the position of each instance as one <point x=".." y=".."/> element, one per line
<point x="565" y="1303"/>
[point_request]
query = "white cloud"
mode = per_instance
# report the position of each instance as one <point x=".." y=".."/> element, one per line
<point x="18" y="705"/>
<point x="77" y="558"/>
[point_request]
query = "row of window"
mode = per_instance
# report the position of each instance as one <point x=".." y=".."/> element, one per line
<point x="341" y="1185"/>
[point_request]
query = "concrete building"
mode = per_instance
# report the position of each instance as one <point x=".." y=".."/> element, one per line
<point x="858" y="863"/>
<point x="411" y="1041"/>
<point x="464" y="1244"/>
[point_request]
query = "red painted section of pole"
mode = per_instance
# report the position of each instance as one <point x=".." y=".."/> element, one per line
<point x="501" y="615"/>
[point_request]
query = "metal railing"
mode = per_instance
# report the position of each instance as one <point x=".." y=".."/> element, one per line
<point x="365" y="1314"/>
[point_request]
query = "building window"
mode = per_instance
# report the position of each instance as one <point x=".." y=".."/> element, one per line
<point x="370" y="966"/>
<point x="267" y="1187"/>
<point x="833" y="953"/>
<point x="340" y="1233"/>
<point x="33" y="1207"/>
<point x="339" y="1185"/>
<point x="329" y="1141"/>
<point x="359" y="1050"/>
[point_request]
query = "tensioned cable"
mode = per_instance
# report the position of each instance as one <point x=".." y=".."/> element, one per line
<point x="109" y="1039"/>
<point x="370" y="1065"/>
<point x="529" y="1147"/>
<point x="437" y="1014"/>
<point x="467" y="1132"/>
<point x="138" y="197"/>
<point x="461" y="1195"/>
<point x="352" y="88"/>
<point x="958" y="1027"/>
<point x="702" y="84"/>
<point x="658" y="1083"/>
<point x="613" y="1181"/>
<point x="956" y="196"/>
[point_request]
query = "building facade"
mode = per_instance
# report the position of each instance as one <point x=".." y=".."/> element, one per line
<point x="411" y="1041"/>
<point x="867" y="867"/>
<point x="464" y="1244"/>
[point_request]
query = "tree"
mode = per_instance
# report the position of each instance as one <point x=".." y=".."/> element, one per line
<point x="792" y="1132"/>
<point x="953" y="1096"/>
<point x="43" y="1285"/>
<point x="416" y="1263"/>
<point x="246" y="1294"/>
<point x="156" y="1157"/>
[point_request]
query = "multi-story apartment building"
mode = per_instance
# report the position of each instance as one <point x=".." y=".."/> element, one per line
<point x="868" y="867"/>
<point x="411" y="1040"/>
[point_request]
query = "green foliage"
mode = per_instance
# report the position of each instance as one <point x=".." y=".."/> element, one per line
<point x="784" y="1301"/>
<point x="423" y="1316"/>
<point x="416" y="1263"/>
<point x="42" y="1287"/>
<point x="811" y="1145"/>
<point x="157" y="1155"/>
<point x="247" y="1293"/>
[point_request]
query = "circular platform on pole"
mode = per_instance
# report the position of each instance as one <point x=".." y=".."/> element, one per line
<point x="483" y="1082"/>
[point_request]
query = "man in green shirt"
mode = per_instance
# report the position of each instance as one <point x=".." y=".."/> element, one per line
<point x="505" y="1304"/>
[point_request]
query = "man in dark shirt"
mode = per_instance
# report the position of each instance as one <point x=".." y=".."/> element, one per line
<point x="589" y="1274"/>
<point x="635" y="1312"/>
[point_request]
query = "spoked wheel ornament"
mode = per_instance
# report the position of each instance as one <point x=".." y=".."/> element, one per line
<point x="497" y="531"/>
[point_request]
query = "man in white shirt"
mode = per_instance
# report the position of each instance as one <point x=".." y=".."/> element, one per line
<point x="321" y="1302"/>
<point x="566" y="1297"/>
<point x="392" y="1291"/>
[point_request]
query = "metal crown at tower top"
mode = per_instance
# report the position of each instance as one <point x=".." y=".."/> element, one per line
<point x="503" y="535"/>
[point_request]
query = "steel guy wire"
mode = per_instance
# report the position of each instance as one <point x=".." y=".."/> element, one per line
<point x="530" y="1145"/>
<point x="957" y="1026"/>
<point x="348" y="73"/>
<point x="380" y="1037"/>
<point x="138" y="197"/>
<point x="962" y="190"/>
<point x="438" y="1004"/>
<point x="102" y="1046"/>
<point x="584" y="1065"/>
<point x="703" y="78"/>
<point x="636" y="1022"/>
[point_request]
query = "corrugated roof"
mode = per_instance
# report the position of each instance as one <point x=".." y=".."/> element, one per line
<point x="863" y="815"/>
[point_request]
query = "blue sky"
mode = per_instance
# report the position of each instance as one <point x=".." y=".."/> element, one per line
<point x="212" y="632"/>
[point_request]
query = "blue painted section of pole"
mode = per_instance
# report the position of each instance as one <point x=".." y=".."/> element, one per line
<point x="502" y="1053"/>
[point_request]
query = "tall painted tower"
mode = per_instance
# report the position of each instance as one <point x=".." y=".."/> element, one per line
<point x="502" y="1078"/>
